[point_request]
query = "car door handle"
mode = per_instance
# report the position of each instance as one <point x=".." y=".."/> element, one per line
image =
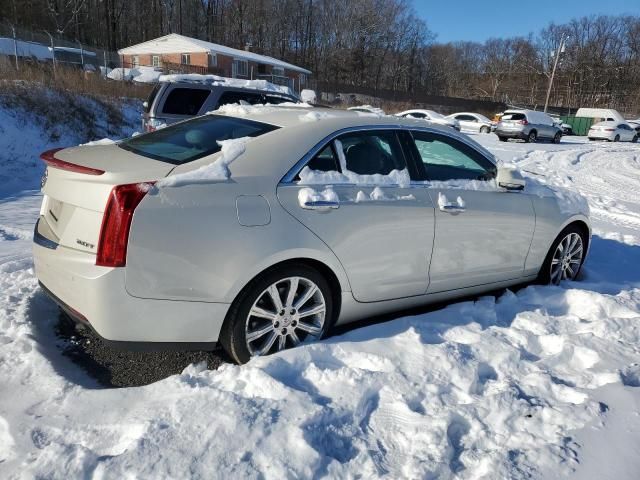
<point x="452" y="208"/>
<point x="320" y="205"/>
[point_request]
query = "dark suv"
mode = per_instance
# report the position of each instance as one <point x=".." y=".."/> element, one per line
<point x="171" y="102"/>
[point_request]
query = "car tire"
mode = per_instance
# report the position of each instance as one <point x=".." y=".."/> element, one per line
<point x="532" y="137"/>
<point x="485" y="129"/>
<point x="634" y="139"/>
<point x="503" y="139"/>
<point x="557" y="138"/>
<point x="547" y="275"/>
<point x="616" y="138"/>
<point x="239" y="321"/>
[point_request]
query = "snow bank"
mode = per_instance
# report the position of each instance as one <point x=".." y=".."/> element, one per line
<point x="139" y="74"/>
<point x="217" y="171"/>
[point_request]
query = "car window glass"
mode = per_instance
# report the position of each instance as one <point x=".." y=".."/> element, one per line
<point x="514" y="116"/>
<point x="325" y="161"/>
<point x="445" y="158"/>
<point x="368" y="153"/>
<point x="275" y="100"/>
<point x="187" y="141"/>
<point x="242" y="98"/>
<point x="415" y="115"/>
<point x="185" y="101"/>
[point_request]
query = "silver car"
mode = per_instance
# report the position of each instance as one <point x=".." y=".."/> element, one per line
<point x="263" y="231"/>
<point x="528" y="125"/>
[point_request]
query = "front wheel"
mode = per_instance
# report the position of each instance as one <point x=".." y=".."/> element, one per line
<point x="634" y="139"/>
<point x="485" y="129"/>
<point x="276" y="311"/>
<point x="565" y="258"/>
<point x="557" y="138"/>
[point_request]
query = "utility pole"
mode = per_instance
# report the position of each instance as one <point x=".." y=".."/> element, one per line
<point x="553" y="72"/>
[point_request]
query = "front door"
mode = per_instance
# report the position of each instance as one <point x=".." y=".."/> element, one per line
<point x="356" y="196"/>
<point x="482" y="234"/>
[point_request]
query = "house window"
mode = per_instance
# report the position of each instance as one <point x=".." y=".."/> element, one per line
<point x="185" y="59"/>
<point x="155" y="60"/>
<point x="240" y="68"/>
<point x="135" y="61"/>
<point x="277" y="71"/>
<point x="213" y="60"/>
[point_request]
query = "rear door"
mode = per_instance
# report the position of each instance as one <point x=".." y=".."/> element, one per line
<point x="482" y="235"/>
<point x="379" y="227"/>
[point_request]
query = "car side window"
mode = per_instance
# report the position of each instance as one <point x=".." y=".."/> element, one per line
<point x="445" y="158"/>
<point x="369" y="153"/>
<point x="415" y="115"/>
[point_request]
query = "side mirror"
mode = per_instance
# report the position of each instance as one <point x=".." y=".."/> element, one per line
<point x="510" y="178"/>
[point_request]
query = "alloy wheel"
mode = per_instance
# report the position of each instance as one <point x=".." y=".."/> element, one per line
<point x="567" y="258"/>
<point x="285" y="314"/>
<point x="532" y="137"/>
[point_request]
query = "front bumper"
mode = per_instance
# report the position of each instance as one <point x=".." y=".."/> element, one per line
<point x="96" y="296"/>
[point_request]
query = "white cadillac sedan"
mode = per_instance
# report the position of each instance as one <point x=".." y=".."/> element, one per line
<point x="261" y="228"/>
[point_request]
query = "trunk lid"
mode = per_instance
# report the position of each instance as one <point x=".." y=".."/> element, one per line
<point x="74" y="203"/>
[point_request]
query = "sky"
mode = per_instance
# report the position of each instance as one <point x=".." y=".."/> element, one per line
<point x="478" y="20"/>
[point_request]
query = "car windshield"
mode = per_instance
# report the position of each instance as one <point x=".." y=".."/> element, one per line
<point x="193" y="139"/>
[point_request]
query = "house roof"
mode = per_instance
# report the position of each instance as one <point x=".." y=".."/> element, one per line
<point x="175" y="43"/>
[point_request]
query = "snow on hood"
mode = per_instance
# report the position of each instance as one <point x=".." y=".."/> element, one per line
<point x="217" y="171"/>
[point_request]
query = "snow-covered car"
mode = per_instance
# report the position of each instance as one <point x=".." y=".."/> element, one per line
<point x="613" y="131"/>
<point x="431" y="117"/>
<point x="179" y="97"/>
<point x="367" y="109"/>
<point x="264" y="230"/>
<point x="473" y="122"/>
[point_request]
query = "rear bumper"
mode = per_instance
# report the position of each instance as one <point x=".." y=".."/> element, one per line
<point x="512" y="134"/>
<point x="96" y="296"/>
<point x="601" y="135"/>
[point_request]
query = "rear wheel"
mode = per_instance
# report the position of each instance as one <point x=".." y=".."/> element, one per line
<point x="532" y="137"/>
<point x="503" y="139"/>
<point x="276" y="311"/>
<point x="616" y="138"/>
<point x="565" y="258"/>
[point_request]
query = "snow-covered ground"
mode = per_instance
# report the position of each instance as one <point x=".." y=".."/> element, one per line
<point x="540" y="383"/>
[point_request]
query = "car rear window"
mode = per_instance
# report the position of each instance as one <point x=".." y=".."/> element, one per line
<point x="514" y="116"/>
<point x="185" y="101"/>
<point x="193" y="139"/>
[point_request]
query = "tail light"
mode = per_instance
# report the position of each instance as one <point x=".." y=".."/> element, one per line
<point x="116" y="223"/>
<point x="50" y="160"/>
<point x="609" y="129"/>
<point x="523" y="122"/>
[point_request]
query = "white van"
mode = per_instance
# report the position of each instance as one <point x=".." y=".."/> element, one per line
<point x="600" y="114"/>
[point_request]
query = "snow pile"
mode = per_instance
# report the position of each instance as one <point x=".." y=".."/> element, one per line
<point x="315" y="116"/>
<point x="139" y="74"/>
<point x="243" y="110"/>
<point x="309" y="195"/>
<point x="102" y="141"/>
<point x="217" y="171"/>
<point x="315" y="177"/>
<point x="218" y="81"/>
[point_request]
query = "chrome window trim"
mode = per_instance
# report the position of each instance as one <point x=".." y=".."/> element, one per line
<point x="288" y="178"/>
